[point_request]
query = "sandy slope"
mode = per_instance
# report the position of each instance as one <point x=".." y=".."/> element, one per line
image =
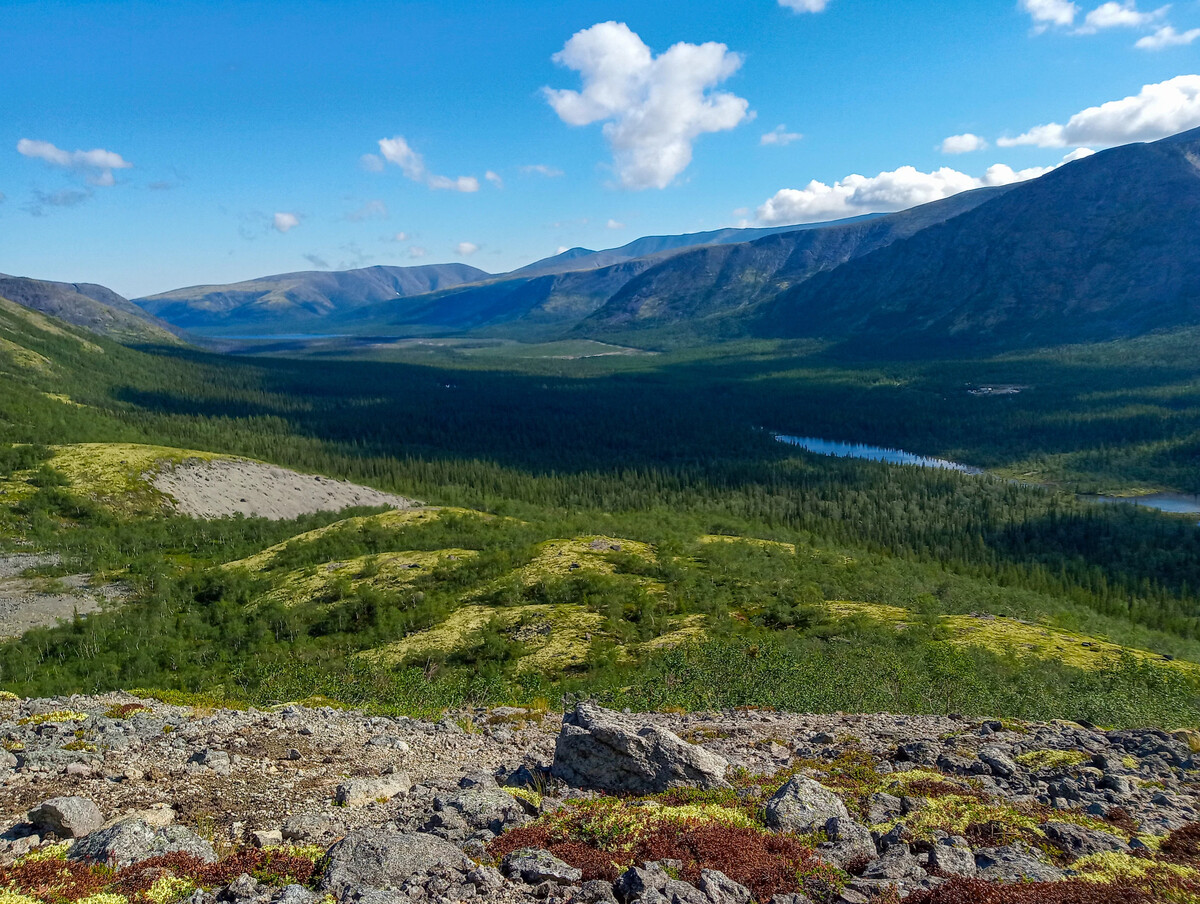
<point x="215" y="489"/>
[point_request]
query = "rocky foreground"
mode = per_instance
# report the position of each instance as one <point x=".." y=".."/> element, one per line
<point x="117" y="799"/>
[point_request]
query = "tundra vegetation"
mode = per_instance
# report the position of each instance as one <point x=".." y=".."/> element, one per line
<point x="623" y="527"/>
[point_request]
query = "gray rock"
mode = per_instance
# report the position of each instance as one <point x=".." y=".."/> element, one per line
<point x="361" y="791"/>
<point x="848" y="842"/>
<point x="386" y="861"/>
<point x="652" y="885"/>
<point x="534" y="866"/>
<point x="1080" y="842"/>
<point x="1014" y="863"/>
<point x="895" y="865"/>
<point x="294" y="894"/>
<point x="883" y="808"/>
<point x="8" y="762"/>
<point x="216" y="760"/>
<point x="490" y="809"/>
<point x="132" y="841"/>
<point x="998" y="761"/>
<point x="605" y="751"/>
<point x="311" y="827"/>
<point x="595" y="891"/>
<point x="803" y="806"/>
<point x="67" y="817"/>
<point x="720" y="889"/>
<point x="952" y="859"/>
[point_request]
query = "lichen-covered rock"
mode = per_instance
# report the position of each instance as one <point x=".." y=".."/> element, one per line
<point x="602" y="750"/>
<point x="1014" y="863"/>
<point x="375" y="859"/>
<point x="804" y="805"/>
<point x="848" y="842"/>
<point x="67" y="817"/>
<point x="132" y="841"/>
<point x="534" y="866"/>
<point x="361" y="791"/>
<point x="1081" y="842"/>
<point x="952" y="859"/>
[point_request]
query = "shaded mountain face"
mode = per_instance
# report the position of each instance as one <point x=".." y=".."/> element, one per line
<point x="658" y="246"/>
<point x="718" y="280"/>
<point x="293" y="300"/>
<point x="92" y="307"/>
<point x="1104" y="248"/>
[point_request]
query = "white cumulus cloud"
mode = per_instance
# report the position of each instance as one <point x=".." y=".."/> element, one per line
<point x="283" y="222"/>
<point x="1167" y="37"/>
<point x="416" y="252"/>
<point x="494" y="178"/>
<point x="963" y="144"/>
<point x="466" y="249"/>
<point x="780" y="136"/>
<point x="653" y="107"/>
<point x="1155" y="112"/>
<point x="614" y="224"/>
<point x="398" y="151"/>
<point x="540" y="169"/>
<point x="898" y="189"/>
<point x="1051" y="12"/>
<point x="97" y="164"/>
<point x="805" y="6"/>
<point x="1119" y="15"/>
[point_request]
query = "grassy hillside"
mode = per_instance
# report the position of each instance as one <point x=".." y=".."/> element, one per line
<point x="611" y="526"/>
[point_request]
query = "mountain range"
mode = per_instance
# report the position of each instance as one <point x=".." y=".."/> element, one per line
<point x="1105" y="247"/>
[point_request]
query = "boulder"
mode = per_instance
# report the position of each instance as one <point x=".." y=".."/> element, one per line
<point x="386" y="862"/>
<point x="720" y="889"/>
<point x="1014" y="863"/>
<point x="490" y="809"/>
<point x="534" y="866"/>
<point x="1080" y="842"/>
<point x="67" y="817"/>
<point x="605" y="751"/>
<point x="848" y="842"/>
<point x="803" y="806"/>
<point x="358" y="792"/>
<point x="132" y="841"/>
<point x="952" y="859"/>
<point x="897" y="864"/>
<point x="650" y="884"/>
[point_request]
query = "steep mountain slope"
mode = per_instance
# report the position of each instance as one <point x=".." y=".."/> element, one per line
<point x="289" y="300"/>
<point x="664" y="285"/>
<point x="719" y="279"/>
<point x="90" y="306"/>
<point x="526" y="307"/>
<point x="658" y="245"/>
<point x="1103" y="248"/>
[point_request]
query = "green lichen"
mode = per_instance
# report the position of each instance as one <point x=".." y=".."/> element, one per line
<point x="1114" y="866"/>
<point x="46" y="853"/>
<point x="1039" y="760"/>
<point x="58" y="716"/>
<point x="169" y="889"/>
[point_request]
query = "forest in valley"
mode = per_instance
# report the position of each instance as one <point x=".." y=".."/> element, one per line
<point x="655" y="453"/>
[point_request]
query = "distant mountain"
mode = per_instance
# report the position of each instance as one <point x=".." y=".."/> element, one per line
<point x="291" y="301"/>
<point x="656" y="245"/>
<point x="93" y="307"/>
<point x="1103" y="248"/>
<point x="717" y="280"/>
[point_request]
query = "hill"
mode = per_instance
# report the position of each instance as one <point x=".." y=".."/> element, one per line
<point x="292" y="301"/>
<point x="724" y="279"/>
<point x="92" y="307"/>
<point x="1103" y="248"/>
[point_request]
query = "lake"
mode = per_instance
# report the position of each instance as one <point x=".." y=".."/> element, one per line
<point x="1174" y="503"/>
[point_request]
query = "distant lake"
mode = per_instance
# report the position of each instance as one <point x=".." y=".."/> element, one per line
<point x="1174" y="503"/>
<point x="874" y="453"/>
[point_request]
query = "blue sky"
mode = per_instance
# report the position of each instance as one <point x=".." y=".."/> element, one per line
<point x="147" y="146"/>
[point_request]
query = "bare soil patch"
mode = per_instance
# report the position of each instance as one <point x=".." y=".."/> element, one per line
<point x="218" y="489"/>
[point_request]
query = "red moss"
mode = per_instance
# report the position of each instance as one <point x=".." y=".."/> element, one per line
<point x="1182" y="845"/>
<point x="69" y="881"/>
<point x="767" y="864"/>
